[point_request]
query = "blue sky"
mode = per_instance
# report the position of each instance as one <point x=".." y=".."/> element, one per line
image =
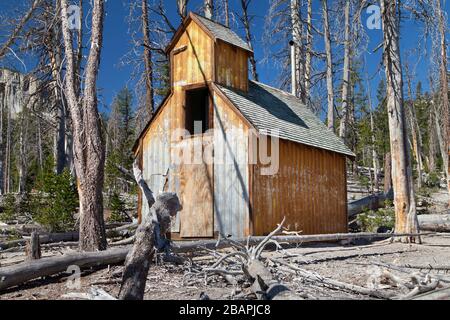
<point x="117" y="43"/>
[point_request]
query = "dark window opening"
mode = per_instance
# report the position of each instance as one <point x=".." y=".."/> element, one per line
<point x="197" y="111"/>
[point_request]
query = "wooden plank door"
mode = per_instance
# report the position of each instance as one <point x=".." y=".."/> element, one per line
<point x="196" y="189"/>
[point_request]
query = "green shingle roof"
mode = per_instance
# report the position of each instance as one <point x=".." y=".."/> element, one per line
<point x="271" y="109"/>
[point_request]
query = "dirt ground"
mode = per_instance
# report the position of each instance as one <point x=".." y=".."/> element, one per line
<point x="348" y="263"/>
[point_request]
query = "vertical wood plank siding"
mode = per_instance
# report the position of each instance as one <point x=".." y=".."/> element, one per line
<point x="193" y="65"/>
<point x="231" y="66"/>
<point x="309" y="190"/>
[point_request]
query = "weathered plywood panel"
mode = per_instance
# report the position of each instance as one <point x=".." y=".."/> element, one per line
<point x="196" y="188"/>
<point x="231" y="66"/>
<point x="309" y="189"/>
<point x="231" y="179"/>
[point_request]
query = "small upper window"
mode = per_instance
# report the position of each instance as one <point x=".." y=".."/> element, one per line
<point x="197" y="111"/>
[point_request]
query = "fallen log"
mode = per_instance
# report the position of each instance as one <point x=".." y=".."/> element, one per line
<point x="181" y="247"/>
<point x="439" y="294"/>
<point x="434" y="222"/>
<point x="371" y="202"/>
<point x="45" y="238"/>
<point x="317" y="278"/>
<point x="26" y="271"/>
<point x="122" y="231"/>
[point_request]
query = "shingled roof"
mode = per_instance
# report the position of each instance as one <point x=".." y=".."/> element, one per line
<point x="271" y="109"/>
<point x="223" y="33"/>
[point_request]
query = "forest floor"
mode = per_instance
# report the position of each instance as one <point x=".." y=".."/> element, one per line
<point x="353" y="263"/>
<point x="349" y="263"/>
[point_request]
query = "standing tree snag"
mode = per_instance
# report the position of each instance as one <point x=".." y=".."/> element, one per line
<point x="149" y="90"/>
<point x="89" y="152"/>
<point x="404" y="202"/>
<point x="150" y="234"/>
<point x="209" y="9"/>
<point x="443" y="70"/>
<point x="346" y="75"/>
<point x="330" y="91"/>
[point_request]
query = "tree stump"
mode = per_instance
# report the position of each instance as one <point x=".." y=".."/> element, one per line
<point x="33" y="247"/>
<point x="150" y="234"/>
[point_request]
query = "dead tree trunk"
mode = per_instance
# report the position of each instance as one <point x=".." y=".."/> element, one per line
<point x="209" y="9"/>
<point x="33" y="249"/>
<point x="444" y="92"/>
<point x="330" y="91"/>
<point x="432" y="150"/>
<point x="182" y="8"/>
<point x="227" y="13"/>
<point x="404" y="202"/>
<point x="346" y="74"/>
<point x="149" y="235"/>
<point x="308" y="54"/>
<point x="89" y="153"/>
<point x="298" y="45"/>
<point x="149" y="94"/>
<point x="248" y="36"/>
<point x="415" y="131"/>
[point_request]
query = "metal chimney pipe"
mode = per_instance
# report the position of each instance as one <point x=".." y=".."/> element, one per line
<point x="293" y="71"/>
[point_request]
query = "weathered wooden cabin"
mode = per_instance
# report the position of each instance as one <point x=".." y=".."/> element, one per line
<point x="272" y="157"/>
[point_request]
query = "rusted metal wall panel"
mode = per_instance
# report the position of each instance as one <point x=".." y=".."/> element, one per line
<point x="231" y="179"/>
<point x="309" y="190"/>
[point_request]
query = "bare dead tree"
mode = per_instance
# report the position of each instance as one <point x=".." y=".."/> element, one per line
<point x="297" y="40"/>
<point x="443" y="72"/>
<point x="345" y="75"/>
<point x="404" y="202"/>
<point x="209" y="8"/>
<point x="329" y="64"/>
<point x="309" y="52"/>
<point x="88" y="145"/>
<point x="182" y="8"/>
<point x="16" y="32"/>
<point x="150" y="93"/>
<point x="246" y="21"/>
<point x="415" y="130"/>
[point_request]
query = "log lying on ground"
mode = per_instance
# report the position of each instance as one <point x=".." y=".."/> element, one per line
<point x="26" y="271"/>
<point x="67" y="236"/>
<point x="45" y="238"/>
<point x="122" y="231"/>
<point x="439" y="294"/>
<point x="371" y="202"/>
<point x="182" y="247"/>
<point x="434" y="222"/>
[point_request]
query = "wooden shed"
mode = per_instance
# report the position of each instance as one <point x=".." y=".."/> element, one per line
<point x="263" y="154"/>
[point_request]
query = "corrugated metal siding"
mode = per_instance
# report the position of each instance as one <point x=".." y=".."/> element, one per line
<point x="231" y="179"/>
<point x="309" y="190"/>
